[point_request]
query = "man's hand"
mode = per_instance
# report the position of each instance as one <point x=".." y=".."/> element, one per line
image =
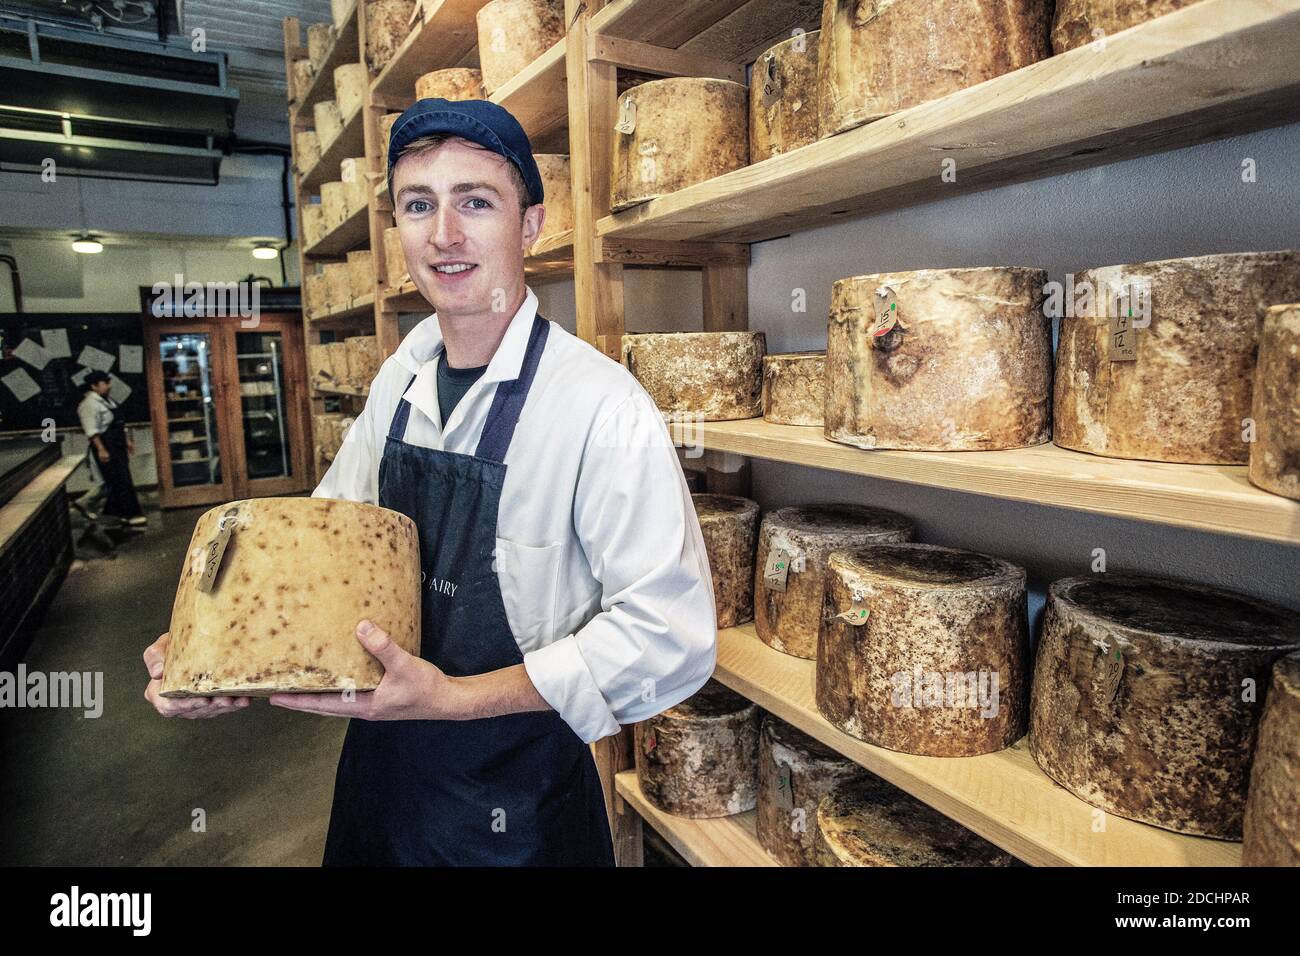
<point x="411" y="688"/>
<point x="101" y="453"/>
<point x="191" y="707"/>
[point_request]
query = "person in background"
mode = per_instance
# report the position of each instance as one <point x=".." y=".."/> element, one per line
<point x="102" y="421"/>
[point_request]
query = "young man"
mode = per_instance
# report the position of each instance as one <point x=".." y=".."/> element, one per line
<point x="566" y="586"/>
<point x="102" y="421"/>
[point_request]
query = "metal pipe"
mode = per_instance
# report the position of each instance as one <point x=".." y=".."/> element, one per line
<point x="12" y="263"/>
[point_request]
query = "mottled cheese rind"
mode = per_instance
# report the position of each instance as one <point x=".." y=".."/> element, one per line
<point x="297" y="576"/>
<point x="700" y="758"/>
<point x="394" y="258"/>
<point x="789" y="620"/>
<point x="1275" y="404"/>
<point x="794" y="388"/>
<point x="303" y="74"/>
<point x="454" y="83"/>
<point x="320" y="40"/>
<point x="729" y="525"/>
<point x="794" y="772"/>
<point x="870" y="822"/>
<point x="941" y="665"/>
<point x="557" y="189"/>
<point x="968" y="367"/>
<point x="1271" y="828"/>
<point x="361" y="272"/>
<point x="363" y="359"/>
<point x="338" y="285"/>
<point x="788" y="117"/>
<point x="329" y="122"/>
<point x="1079" y="22"/>
<point x="687" y="129"/>
<point x="388" y="22"/>
<point x="1185" y="396"/>
<point x="1140" y="696"/>
<point x="334" y="203"/>
<point x="308" y="145"/>
<point x="715" y="376"/>
<point x="385" y="134"/>
<point x="514" y="33"/>
<point x="881" y="56"/>
<point x="350" y="82"/>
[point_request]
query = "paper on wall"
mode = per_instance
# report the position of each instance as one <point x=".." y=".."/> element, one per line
<point x="56" y="342"/>
<point x="130" y="358"/>
<point x="118" y="390"/>
<point x="79" y="377"/>
<point x="32" y="354"/>
<point x="21" y="384"/>
<point x="95" y="358"/>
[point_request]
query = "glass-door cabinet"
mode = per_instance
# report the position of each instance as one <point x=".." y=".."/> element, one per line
<point x="229" y="408"/>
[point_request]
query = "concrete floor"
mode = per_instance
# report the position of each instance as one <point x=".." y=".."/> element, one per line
<point x="123" y="788"/>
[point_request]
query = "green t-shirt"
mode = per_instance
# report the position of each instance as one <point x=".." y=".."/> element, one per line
<point x="453" y="383"/>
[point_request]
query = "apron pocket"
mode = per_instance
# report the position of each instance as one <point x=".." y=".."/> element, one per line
<point x="529" y="578"/>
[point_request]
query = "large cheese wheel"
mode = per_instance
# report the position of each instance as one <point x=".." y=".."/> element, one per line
<point x="388" y="22"/>
<point x="361" y="272"/>
<point x="803" y="538"/>
<point x="1185" y="395"/>
<point x="700" y="758"/>
<point x="794" y="772"/>
<point x="1271" y="828"/>
<point x="794" y="388"/>
<point x="329" y="122"/>
<point x="676" y="132"/>
<point x="1079" y="22"/>
<point x="308" y="146"/>
<point x="340" y="370"/>
<point x="303" y="74"/>
<point x="881" y="56"/>
<point x="356" y="186"/>
<point x="320" y="40"/>
<point x="394" y="258"/>
<point x="967" y="366"/>
<point x="729" y="524"/>
<point x="557" y="187"/>
<point x="334" y="202"/>
<point x="870" y="822"/>
<point x="783" y="98"/>
<point x="338" y="285"/>
<point x="514" y="33"/>
<point x="940" y="664"/>
<point x="363" y="359"/>
<point x="1275" y="404"/>
<point x="385" y="134"/>
<point x="318" y="364"/>
<point x="313" y="293"/>
<point x="454" y="83"/>
<point x="296" y="577"/>
<point x="350" y="82"/>
<point x="713" y="376"/>
<point x="1138" y="696"/>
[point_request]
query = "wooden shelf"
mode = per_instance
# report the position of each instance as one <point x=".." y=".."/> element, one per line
<point x="1213" y="498"/>
<point x="538" y="97"/>
<point x="360" y="307"/>
<point x="406" y="298"/>
<point x="1004" y="797"/>
<point x="346" y="49"/>
<point x="1158" y="86"/>
<point x="448" y="31"/>
<point x="722" y="841"/>
<point x="342" y="390"/>
<point x="352" y="233"/>
<point x="350" y="143"/>
<point x="735" y="30"/>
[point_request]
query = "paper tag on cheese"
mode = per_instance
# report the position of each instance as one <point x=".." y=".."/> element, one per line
<point x="651" y="742"/>
<point x="771" y="81"/>
<point x="784" y="787"/>
<point x="1113" y="673"/>
<point x="886" y="315"/>
<point x="776" y="569"/>
<point x="1123" y="336"/>
<point x="215" y="549"/>
<point x="857" y="613"/>
<point x="626" y="116"/>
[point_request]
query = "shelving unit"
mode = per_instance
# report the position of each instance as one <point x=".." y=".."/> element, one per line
<point x="724" y="841"/>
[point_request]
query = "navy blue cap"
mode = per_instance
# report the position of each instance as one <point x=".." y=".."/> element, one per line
<point x="479" y="121"/>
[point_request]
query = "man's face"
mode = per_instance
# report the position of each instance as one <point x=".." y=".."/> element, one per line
<point x="102" y="388"/>
<point x="457" y="206"/>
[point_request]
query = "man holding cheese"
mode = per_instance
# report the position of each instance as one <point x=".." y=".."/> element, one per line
<point x="566" y="585"/>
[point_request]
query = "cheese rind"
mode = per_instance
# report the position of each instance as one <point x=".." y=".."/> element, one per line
<point x="1079" y="22"/>
<point x="783" y="111"/>
<point x="514" y="33"/>
<point x="388" y="22"/>
<point x="1271" y="827"/>
<point x="729" y="525"/>
<point x="716" y="376"/>
<point x="794" y="388"/>
<point x="454" y="83"/>
<point x="1275" y="404"/>
<point x="557" y="187"/>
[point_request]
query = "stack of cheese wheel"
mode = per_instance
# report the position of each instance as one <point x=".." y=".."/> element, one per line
<point x="713" y="376"/>
<point x="676" y="132"/>
<point x="313" y="223"/>
<point x="308" y="147"/>
<point x="730" y="525"/>
<point x="1275" y="404"/>
<point x="869" y="822"/>
<point x="939" y="360"/>
<point x="394" y="258"/>
<point x="514" y="33"/>
<point x="794" y="545"/>
<point x="794" y="388"/>
<point x="1271" y="828"/>
<point x="350" y="81"/>
<point x="1185" y="394"/>
<point x="1079" y="22"/>
<point x="925" y="650"/>
<point x="909" y="52"/>
<point x="361" y="272"/>
<point x="557" y="189"/>
<point x="783" y="97"/>
<point x="1138" y="704"/>
<point x="338" y="286"/>
<point x="313" y="293"/>
<point x="329" y="122"/>
<point x="363" y="359"/>
<point x="277" y="610"/>
<point x="700" y="758"/>
<point x="334" y="201"/>
<point x="303" y="75"/>
<point x="388" y="22"/>
<point x="320" y="40"/>
<point x="794" y="773"/>
<point x="456" y="83"/>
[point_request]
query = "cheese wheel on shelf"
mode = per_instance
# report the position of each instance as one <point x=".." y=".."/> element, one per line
<point x="714" y="376"/>
<point x="385" y="135"/>
<point x="1184" y="394"/>
<point x="924" y="650"/>
<point x="876" y="59"/>
<point x="334" y="202"/>
<point x="350" y="82"/>
<point x="455" y="83"/>
<point x="363" y="359"/>
<point x="318" y="366"/>
<point x="514" y="33"/>
<point x="303" y="75"/>
<point x="338" y="285"/>
<point x="308" y="146"/>
<point x="338" y="359"/>
<point x="1080" y="22"/>
<point x="1271" y="828"/>
<point x="783" y="98"/>
<point x="557" y="189"/>
<point x="1141" y="696"/>
<point x="700" y="758"/>
<point x="356" y="186"/>
<point x="340" y="10"/>
<point x="320" y="40"/>
<point x="796" y="544"/>
<point x="794" y="388"/>
<point x="794" y="772"/>
<point x="1275" y="404"/>
<point x="676" y="132"/>
<point x="868" y="821"/>
<point x="394" y="259"/>
<point x="296" y="576"/>
<point x="361" y="273"/>
<point x="388" y="22"/>
<point x="313" y="293"/>
<point x="313" y="223"/>
<point x="729" y="524"/>
<point x="329" y="122"/>
<point x="939" y="360"/>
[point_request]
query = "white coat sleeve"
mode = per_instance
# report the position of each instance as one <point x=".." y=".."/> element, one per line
<point x="654" y="642"/>
<point x="87" y="412"/>
<point x="354" y="473"/>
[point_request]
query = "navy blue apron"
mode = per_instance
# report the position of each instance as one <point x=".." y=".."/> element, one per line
<point x="520" y="789"/>
<point x="121" y="500"/>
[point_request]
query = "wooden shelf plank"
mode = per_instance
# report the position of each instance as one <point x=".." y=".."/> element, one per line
<point x="348" y="144"/>
<point x="17" y="513"/>
<point x="342" y="390"/>
<point x="1155" y="87"/>
<point x="537" y="96"/>
<point x="346" y="49"/>
<point x="352" y="233"/>
<point x="406" y="298"/>
<point x="722" y="841"/>
<point x="448" y="31"/>
<point x="556" y="248"/>
<point x="361" y="307"/>
<point x="1214" y="498"/>
<point x="1004" y="797"/>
